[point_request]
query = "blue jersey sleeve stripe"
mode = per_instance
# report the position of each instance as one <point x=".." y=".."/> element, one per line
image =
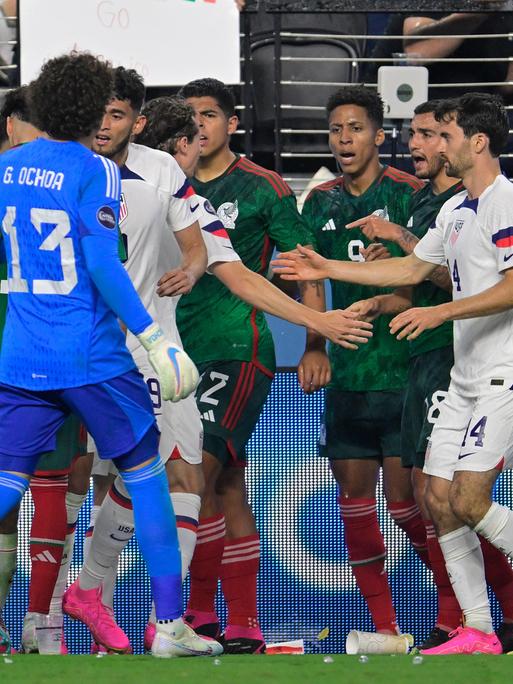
<point x="112" y="190"/>
<point x="108" y="189"/>
<point x="114" y="176"/>
<point x="504" y="235"/>
<point x="117" y="176"/>
<point x="115" y="180"/>
<point x="216" y="227"/>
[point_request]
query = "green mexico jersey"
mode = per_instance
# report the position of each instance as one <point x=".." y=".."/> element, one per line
<point x="381" y="364"/>
<point x="424" y="208"/>
<point x="259" y="211"/>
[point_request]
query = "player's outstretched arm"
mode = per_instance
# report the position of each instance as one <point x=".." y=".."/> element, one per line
<point x="393" y="303"/>
<point x="496" y="299"/>
<point x="375" y="227"/>
<point x="337" y="326"/>
<point x="305" y="264"/>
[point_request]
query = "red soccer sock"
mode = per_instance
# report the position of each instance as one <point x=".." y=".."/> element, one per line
<point x="367" y="559"/>
<point x="406" y="515"/>
<point x="449" y="611"/>
<point x="499" y="575"/>
<point x="206" y="563"/>
<point x="239" y="571"/>
<point x="47" y="535"/>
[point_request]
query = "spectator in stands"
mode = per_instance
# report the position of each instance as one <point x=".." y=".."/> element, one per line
<point x="318" y="43"/>
<point x="415" y="27"/>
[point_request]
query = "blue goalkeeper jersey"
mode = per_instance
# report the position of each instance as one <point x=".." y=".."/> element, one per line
<point x="59" y="332"/>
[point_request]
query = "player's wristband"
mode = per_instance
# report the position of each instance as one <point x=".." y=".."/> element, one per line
<point x="151" y="336"/>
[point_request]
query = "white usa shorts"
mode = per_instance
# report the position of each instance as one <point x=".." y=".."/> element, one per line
<point x="181" y="431"/>
<point x="472" y="433"/>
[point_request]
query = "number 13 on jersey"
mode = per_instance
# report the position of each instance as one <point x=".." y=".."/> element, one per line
<point x="57" y="238"/>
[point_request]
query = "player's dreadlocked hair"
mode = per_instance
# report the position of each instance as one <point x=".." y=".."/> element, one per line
<point x="361" y="97"/>
<point x="129" y="85"/>
<point x="478" y="113"/>
<point x="70" y="95"/>
<point x="17" y="103"/>
<point x="211" y="87"/>
<point x="168" y="120"/>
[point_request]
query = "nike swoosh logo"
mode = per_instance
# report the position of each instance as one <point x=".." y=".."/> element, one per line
<point x="172" y="355"/>
<point x="508" y="257"/>
<point x="468" y="454"/>
<point x="112" y="536"/>
<point x="194" y="208"/>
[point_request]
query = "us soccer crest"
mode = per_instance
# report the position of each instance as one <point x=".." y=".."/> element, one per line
<point x="228" y="213"/>
<point x="382" y="213"/>
<point x="455" y="230"/>
<point x="123" y="209"/>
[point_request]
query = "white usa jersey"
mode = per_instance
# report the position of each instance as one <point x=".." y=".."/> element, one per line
<point x="155" y="202"/>
<point x="218" y="244"/>
<point x="475" y="239"/>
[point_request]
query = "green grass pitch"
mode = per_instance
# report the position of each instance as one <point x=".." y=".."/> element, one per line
<point x="254" y="670"/>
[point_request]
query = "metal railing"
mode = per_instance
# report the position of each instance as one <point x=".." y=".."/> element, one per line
<point x="286" y="110"/>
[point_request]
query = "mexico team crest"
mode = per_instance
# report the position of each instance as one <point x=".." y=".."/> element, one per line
<point x="382" y="213"/>
<point x="228" y="213"/>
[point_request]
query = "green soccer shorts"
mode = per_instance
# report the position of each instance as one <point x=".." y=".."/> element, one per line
<point x="230" y="398"/>
<point x="428" y="381"/>
<point x="71" y="443"/>
<point x="362" y="425"/>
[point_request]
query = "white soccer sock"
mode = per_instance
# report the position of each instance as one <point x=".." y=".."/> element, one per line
<point x="186" y="507"/>
<point x="497" y="527"/>
<point x="73" y="505"/>
<point x="8" y="550"/>
<point x="465" y="567"/>
<point x="113" y="529"/>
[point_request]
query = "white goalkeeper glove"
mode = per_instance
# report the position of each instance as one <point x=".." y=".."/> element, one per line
<point x="177" y="373"/>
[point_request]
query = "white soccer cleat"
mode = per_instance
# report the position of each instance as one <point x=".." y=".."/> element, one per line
<point x="28" y="635"/>
<point x="175" y="639"/>
<point x="177" y="373"/>
<point x="43" y="634"/>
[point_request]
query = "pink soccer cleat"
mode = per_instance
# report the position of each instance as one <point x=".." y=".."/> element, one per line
<point x="237" y="640"/>
<point x="86" y="605"/>
<point x="98" y="649"/>
<point x="467" y="641"/>
<point x="149" y="636"/>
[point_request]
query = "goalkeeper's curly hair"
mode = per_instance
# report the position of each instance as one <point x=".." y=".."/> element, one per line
<point x="167" y="120"/>
<point x="70" y="95"/>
